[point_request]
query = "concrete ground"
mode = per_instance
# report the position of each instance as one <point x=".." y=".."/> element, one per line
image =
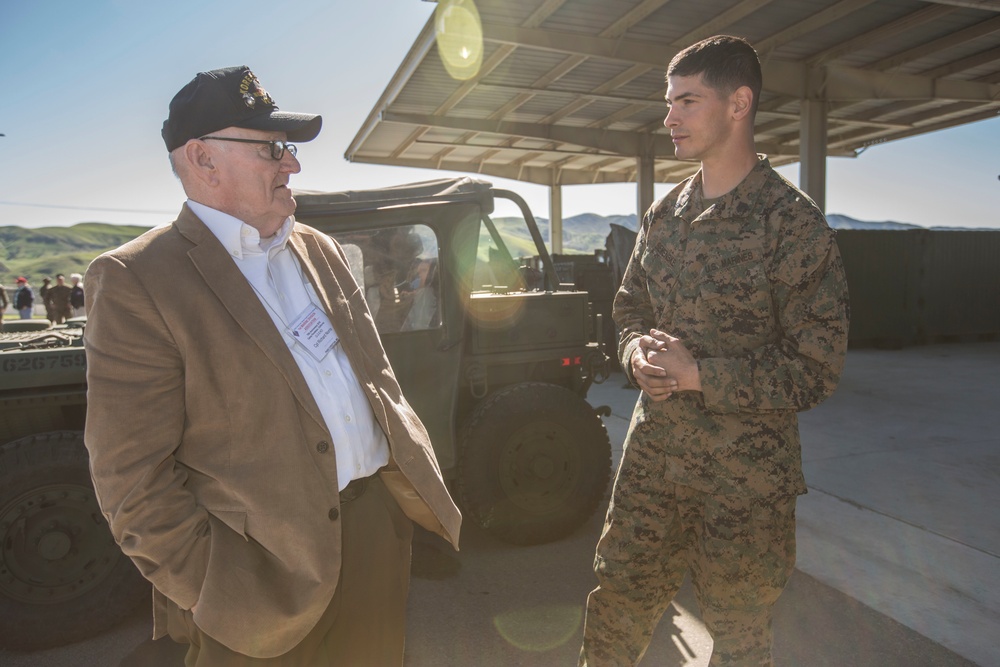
<point x="898" y="542"/>
<point x="903" y="468"/>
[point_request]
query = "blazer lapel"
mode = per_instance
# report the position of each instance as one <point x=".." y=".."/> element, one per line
<point x="330" y="291"/>
<point x="224" y="278"/>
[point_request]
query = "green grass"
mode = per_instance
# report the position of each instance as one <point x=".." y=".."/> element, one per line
<point x="46" y="251"/>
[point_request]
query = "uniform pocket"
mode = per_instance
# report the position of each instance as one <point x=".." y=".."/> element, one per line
<point x="736" y="301"/>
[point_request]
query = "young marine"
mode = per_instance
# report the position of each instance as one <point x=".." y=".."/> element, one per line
<point x="733" y="314"/>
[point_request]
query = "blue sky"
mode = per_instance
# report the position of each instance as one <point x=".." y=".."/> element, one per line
<point x="86" y="86"/>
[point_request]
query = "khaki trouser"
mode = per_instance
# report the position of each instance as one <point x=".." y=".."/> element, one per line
<point x="740" y="552"/>
<point x="365" y="621"/>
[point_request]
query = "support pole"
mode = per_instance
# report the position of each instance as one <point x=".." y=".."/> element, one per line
<point x="645" y="176"/>
<point x="812" y="150"/>
<point x="555" y="219"/>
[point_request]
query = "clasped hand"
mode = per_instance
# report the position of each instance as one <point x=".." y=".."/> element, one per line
<point x="662" y="365"/>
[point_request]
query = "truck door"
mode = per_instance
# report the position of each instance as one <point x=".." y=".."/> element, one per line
<point x="399" y="271"/>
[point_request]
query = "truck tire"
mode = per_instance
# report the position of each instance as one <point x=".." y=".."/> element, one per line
<point x="62" y="577"/>
<point x="535" y="463"/>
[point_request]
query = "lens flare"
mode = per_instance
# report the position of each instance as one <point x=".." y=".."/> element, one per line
<point x="459" y="34"/>
<point x="539" y="629"/>
<point x="496" y="312"/>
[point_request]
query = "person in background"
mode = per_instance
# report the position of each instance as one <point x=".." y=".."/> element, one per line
<point x="249" y="443"/>
<point x="57" y="300"/>
<point x="733" y="314"/>
<point x="24" y="299"/>
<point x="43" y="292"/>
<point x="423" y="312"/>
<point x="391" y="297"/>
<point x="4" y="302"/>
<point x="76" y="296"/>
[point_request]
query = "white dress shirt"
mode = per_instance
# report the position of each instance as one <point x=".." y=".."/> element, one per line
<point x="274" y="273"/>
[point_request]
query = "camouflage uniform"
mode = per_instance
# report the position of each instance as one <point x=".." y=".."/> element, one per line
<point x="754" y="287"/>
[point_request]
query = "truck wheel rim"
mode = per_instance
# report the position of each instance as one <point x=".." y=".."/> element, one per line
<point x="539" y="467"/>
<point x="56" y="545"/>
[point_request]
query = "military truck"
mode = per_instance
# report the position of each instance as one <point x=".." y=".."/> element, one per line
<point x="62" y="577"/>
<point x="494" y="354"/>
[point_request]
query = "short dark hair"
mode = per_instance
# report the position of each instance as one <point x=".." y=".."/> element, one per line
<point x="725" y="62"/>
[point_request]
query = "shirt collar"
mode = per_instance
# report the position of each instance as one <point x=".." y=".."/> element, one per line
<point x="238" y="238"/>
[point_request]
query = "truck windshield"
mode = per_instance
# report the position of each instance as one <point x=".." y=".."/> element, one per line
<point x="506" y="258"/>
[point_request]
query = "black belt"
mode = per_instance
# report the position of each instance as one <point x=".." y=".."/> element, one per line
<point x="355" y="489"/>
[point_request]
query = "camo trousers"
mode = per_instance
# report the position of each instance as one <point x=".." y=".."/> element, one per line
<point x="740" y="552"/>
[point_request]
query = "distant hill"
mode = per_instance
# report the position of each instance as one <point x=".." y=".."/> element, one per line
<point x="838" y="221"/>
<point x="582" y="234"/>
<point x="46" y="251"/>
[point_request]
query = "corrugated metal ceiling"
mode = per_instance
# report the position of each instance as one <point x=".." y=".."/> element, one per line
<point x="571" y="91"/>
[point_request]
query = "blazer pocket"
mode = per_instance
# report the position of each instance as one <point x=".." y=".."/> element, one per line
<point x="413" y="506"/>
<point x="236" y="520"/>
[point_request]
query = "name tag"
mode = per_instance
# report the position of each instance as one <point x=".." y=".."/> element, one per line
<point x="313" y="331"/>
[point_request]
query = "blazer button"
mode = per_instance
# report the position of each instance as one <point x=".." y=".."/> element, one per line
<point x="322" y="446"/>
<point x="333" y="513"/>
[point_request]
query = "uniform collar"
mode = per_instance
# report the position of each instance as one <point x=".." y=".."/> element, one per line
<point x="737" y="202"/>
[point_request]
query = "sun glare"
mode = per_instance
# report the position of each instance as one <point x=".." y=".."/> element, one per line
<point x="459" y="34"/>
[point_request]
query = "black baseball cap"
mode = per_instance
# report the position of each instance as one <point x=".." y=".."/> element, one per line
<point x="231" y="97"/>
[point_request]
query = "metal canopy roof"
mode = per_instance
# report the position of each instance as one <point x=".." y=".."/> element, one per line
<point x="571" y="91"/>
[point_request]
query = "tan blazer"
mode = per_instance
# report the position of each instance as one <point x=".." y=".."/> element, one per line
<point x="209" y="455"/>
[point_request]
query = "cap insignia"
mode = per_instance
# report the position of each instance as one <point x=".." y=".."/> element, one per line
<point x="251" y="91"/>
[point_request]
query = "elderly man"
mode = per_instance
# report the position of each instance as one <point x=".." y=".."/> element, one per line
<point x="249" y="443"/>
